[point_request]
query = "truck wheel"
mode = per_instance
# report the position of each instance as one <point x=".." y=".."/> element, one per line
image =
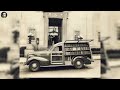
<point x="78" y="63"/>
<point x="34" y="66"/>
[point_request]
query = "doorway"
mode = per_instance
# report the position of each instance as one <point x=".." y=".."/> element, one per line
<point x="54" y="31"/>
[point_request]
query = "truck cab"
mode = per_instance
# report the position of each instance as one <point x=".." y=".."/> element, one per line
<point x="70" y="52"/>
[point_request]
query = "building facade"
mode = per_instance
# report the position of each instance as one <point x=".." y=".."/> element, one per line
<point x="62" y="25"/>
<point x="52" y="27"/>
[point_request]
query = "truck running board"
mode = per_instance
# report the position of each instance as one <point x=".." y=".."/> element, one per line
<point x="57" y="63"/>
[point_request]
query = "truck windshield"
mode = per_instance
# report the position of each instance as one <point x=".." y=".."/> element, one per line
<point x="57" y="48"/>
<point x="56" y="45"/>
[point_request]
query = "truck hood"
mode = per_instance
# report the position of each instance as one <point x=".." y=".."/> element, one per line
<point x="40" y="53"/>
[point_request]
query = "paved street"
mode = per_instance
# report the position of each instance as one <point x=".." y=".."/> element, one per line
<point x="90" y="71"/>
<point x="4" y="68"/>
<point x="5" y="76"/>
<point x="114" y="72"/>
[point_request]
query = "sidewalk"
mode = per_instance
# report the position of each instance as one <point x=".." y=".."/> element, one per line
<point x="5" y="76"/>
<point x="114" y="62"/>
<point x="22" y="60"/>
<point x="96" y="57"/>
<point x="4" y="67"/>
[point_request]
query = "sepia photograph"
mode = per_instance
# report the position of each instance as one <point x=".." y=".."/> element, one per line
<point x="59" y="45"/>
<point x="64" y="44"/>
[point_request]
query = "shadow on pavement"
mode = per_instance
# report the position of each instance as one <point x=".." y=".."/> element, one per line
<point x="60" y="68"/>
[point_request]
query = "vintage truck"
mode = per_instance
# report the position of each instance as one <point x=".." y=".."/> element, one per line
<point x="70" y="52"/>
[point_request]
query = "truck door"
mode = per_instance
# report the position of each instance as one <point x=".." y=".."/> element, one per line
<point x="57" y="55"/>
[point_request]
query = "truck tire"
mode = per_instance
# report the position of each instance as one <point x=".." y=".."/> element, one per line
<point x="34" y="66"/>
<point x="78" y="63"/>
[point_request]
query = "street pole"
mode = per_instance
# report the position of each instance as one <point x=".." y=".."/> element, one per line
<point x="37" y="42"/>
<point x="104" y="58"/>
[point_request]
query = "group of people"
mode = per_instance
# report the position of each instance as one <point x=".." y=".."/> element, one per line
<point x="52" y="40"/>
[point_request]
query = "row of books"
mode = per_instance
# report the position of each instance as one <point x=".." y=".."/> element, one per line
<point x="76" y="45"/>
<point x="76" y="48"/>
<point x="77" y="53"/>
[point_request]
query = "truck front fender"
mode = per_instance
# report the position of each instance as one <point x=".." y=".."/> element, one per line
<point x="42" y="60"/>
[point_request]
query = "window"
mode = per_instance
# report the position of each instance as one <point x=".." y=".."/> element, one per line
<point x="53" y="31"/>
<point x="32" y="32"/>
<point x="118" y="33"/>
<point x="77" y="33"/>
<point x="58" y="48"/>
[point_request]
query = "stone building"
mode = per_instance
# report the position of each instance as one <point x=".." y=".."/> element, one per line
<point x="64" y="25"/>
